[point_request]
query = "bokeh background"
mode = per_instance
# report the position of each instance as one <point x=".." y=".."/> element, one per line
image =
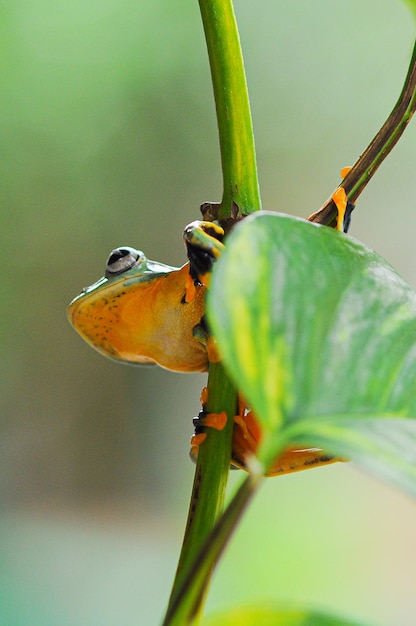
<point x="108" y="137"/>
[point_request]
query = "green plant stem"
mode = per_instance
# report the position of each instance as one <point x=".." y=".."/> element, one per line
<point x="198" y="576"/>
<point x="241" y="194"/>
<point x="240" y="197"/>
<point x="382" y="144"/>
<point x="207" y="502"/>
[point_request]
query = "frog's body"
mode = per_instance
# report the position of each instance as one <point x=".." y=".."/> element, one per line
<point x="142" y="316"/>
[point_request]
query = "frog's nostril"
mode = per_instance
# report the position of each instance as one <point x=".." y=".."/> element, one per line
<point x="121" y="260"/>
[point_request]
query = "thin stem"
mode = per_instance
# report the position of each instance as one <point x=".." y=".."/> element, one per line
<point x="382" y="144"/>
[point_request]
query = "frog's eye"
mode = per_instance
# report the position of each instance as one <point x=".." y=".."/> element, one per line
<point x="121" y="260"/>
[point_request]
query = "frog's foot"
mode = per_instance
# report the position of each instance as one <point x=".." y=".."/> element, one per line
<point x="344" y="207"/>
<point x="204" y="245"/>
<point x="195" y="442"/>
<point x="247" y="436"/>
<point x="208" y="420"/>
<point x="297" y="459"/>
<point x="340" y="199"/>
<point x="203" y="421"/>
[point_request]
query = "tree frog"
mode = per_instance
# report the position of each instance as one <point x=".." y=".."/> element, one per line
<point x="144" y="312"/>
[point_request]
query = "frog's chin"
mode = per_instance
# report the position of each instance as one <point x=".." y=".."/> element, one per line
<point x="126" y="360"/>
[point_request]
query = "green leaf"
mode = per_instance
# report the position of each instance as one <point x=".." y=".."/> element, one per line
<point x="264" y="616"/>
<point x="412" y="5"/>
<point x="319" y="334"/>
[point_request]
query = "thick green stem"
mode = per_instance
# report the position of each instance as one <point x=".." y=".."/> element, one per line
<point x="241" y="194"/>
<point x="382" y="144"/>
<point x="198" y="576"/>
<point x="207" y="502"/>
<point x="200" y="551"/>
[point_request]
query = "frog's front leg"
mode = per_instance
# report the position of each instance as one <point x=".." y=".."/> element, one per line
<point x="204" y="244"/>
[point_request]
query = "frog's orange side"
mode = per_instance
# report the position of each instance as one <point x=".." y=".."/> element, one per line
<point x="145" y="322"/>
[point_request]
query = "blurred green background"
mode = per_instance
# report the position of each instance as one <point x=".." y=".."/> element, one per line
<point x="108" y="137"/>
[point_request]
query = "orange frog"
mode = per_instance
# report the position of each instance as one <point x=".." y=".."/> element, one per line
<point x="143" y="312"/>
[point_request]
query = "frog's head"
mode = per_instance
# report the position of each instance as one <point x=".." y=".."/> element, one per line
<point x="105" y="312"/>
